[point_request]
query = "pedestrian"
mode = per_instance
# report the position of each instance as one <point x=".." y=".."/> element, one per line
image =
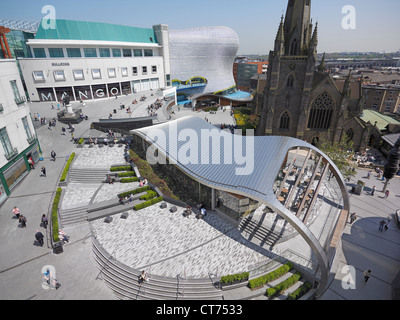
<point x="63" y="131"/>
<point x="367" y="274"/>
<point x="369" y="175"/>
<point x="72" y="136"/>
<point x="44" y="221"/>
<point x="39" y="237"/>
<point x="387" y="225"/>
<point x="47" y="275"/>
<point x="53" y="155"/>
<point x="381" y="225"/>
<point x="44" y="171"/>
<point x="386" y="193"/>
<point x="353" y="217"/>
<point x="373" y="190"/>
<point x="52" y="106"/>
<point x="30" y="161"/>
<point x="16" y="212"/>
<point x="143" y="277"/>
<point x="22" y="221"/>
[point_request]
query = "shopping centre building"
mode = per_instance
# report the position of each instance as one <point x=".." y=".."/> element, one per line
<point x="88" y="61"/>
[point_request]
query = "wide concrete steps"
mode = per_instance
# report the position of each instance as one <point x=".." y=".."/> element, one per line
<point x="87" y="175"/>
<point x="123" y="281"/>
<point x="73" y="216"/>
<point x="253" y="229"/>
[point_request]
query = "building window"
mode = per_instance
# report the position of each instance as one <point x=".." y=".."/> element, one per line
<point x="59" y="75"/>
<point x="79" y="75"/>
<point x="124" y="72"/>
<point x="135" y="71"/>
<point x="90" y="52"/>
<point x="5" y="141"/>
<point x="111" y="73"/>
<point x="104" y="53"/>
<point x="374" y="106"/>
<point x="168" y="78"/>
<point x="285" y="120"/>
<point x="39" y="52"/>
<point x="138" y="52"/>
<point x="38" y="76"/>
<point x="74" y="53"/>
<point x="349" y="135"/>
<point x="148" y="52"/>
<point x="27" y="128"/>
<point x="56" y="53"/>
<point x="290" y="81"/>
<point x="116" y="53"/>
<point x="127" y="53"/>
<point x="154" y="69"/>
<point x="15" y="90"/>
<point x="293" y="48"/>
<point x="96" y="73"/>
<point x="144" y="70"/>
<point x="321" y="112"/>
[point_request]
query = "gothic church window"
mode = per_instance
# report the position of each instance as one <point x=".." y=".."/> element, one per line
<point x="293" y="48"/>
<point x="285" y="120"/>
<point x="349" y="134"/>
<point x="290" y="81"/>
<point x="321" y="112"/>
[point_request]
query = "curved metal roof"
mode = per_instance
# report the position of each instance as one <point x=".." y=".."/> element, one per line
<point x="247" y="166"/>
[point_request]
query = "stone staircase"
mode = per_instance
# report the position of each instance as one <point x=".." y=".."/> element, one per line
<point x="123" y="281"/>
<point x="73" y="216"/>
<point x="88" y="175"/>
<point x="254" y="230"/>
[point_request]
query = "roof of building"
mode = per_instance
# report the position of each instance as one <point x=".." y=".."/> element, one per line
<point x="95" y="31"/>
<point x="20" y="25"/>
<point x="382" y="121"/>
<point x="391" y="139"/>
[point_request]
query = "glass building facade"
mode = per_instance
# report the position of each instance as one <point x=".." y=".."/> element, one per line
<point x="17" y="42"/>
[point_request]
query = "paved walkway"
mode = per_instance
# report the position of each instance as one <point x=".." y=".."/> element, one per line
<point x="362" y="246"/>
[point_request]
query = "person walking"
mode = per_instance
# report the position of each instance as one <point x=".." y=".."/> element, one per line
<point x="381" y="225"/>
<point x="367" y="275"/>
<point x="39" y="237"/>
<point x="44" y="171"/>
<point x="53" y="155"/>
<point x="386" y="227"/>
<point x="353" y="217"/>
<point x="30" y="161"/>
<point x="44" y="221"/>
<point x="16" y="212"/>
<point x="373" y="190"/>
<point x="386" y="193"/>
<point x="22" y="221"/>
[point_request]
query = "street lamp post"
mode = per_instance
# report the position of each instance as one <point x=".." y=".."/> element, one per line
<point x="392" y="166"/>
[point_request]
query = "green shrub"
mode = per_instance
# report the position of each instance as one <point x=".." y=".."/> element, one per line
<point x="300" y="291"/>
<point x="128" y="180"/>
<point x="283" y="285"/>
<point x="136" y="191"/>
<point x="246" y="111"/>
<point x="124" y="168"/>
<point x="150" y="195"/>
<point x="66" y="169"/>
<point x="81" y="141"/>
<point x="260" y="281"/>
<point x="54" y="214"/>
<point x="208" y="109"/>
<point x="126" y="174"/>
<point x="148" y="203"/>
<point x="235" y="277"/>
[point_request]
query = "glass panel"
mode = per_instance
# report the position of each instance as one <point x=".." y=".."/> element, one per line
<point x="59" y="75"/>
<point x="27" y="128"/>
<point x="79" y="75"/>
<point x="138" y="52"/>
<point x="154" y="69"/>
<point x="144" y="70"/>
<point x="90" y="52"/>
<point x="116" y="53"/>
<point x="39" y="53"/>
<point x="127" y="52"/>
<point x="134" y="71"/>
<point x="96" y="73"/>
<point x="148" y="52"/>
<point x="5" y="141"/>
<point x="105" y="52"/>
<point x="56" y="53"/>
<point x="74" y="53"/>
<point x="15" y="89"/>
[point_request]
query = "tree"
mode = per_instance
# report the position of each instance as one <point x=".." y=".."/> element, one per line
<point x="341" y="153"/>
<point x="392" y="166"/>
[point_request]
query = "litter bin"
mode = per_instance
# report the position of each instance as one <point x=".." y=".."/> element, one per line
<point x="115" y="110"/>
<point x="58" y="248"/>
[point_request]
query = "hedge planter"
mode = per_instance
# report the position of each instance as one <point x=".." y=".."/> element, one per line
<point x="66" y="169"/>
<point x="259" y="282"/>
<point x="123" y="168"/>
<point x="148" y="203"/>
<point x="284" y="285"/>
<point x="234" y="279"/>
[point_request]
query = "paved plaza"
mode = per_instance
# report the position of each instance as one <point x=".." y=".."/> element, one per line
<point x="167" y="244"/>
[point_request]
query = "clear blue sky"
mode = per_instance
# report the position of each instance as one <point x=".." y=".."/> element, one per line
<point x="255" y="21"/>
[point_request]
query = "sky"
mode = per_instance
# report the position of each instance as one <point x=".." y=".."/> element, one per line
<point x="256" y="22"/>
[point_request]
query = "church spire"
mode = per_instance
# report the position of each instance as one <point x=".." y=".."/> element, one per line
<point x="321" y="67"/>
<point x="280" y="39"/>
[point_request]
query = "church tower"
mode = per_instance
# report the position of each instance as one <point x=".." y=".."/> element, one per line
<point x="290" y="73"/>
